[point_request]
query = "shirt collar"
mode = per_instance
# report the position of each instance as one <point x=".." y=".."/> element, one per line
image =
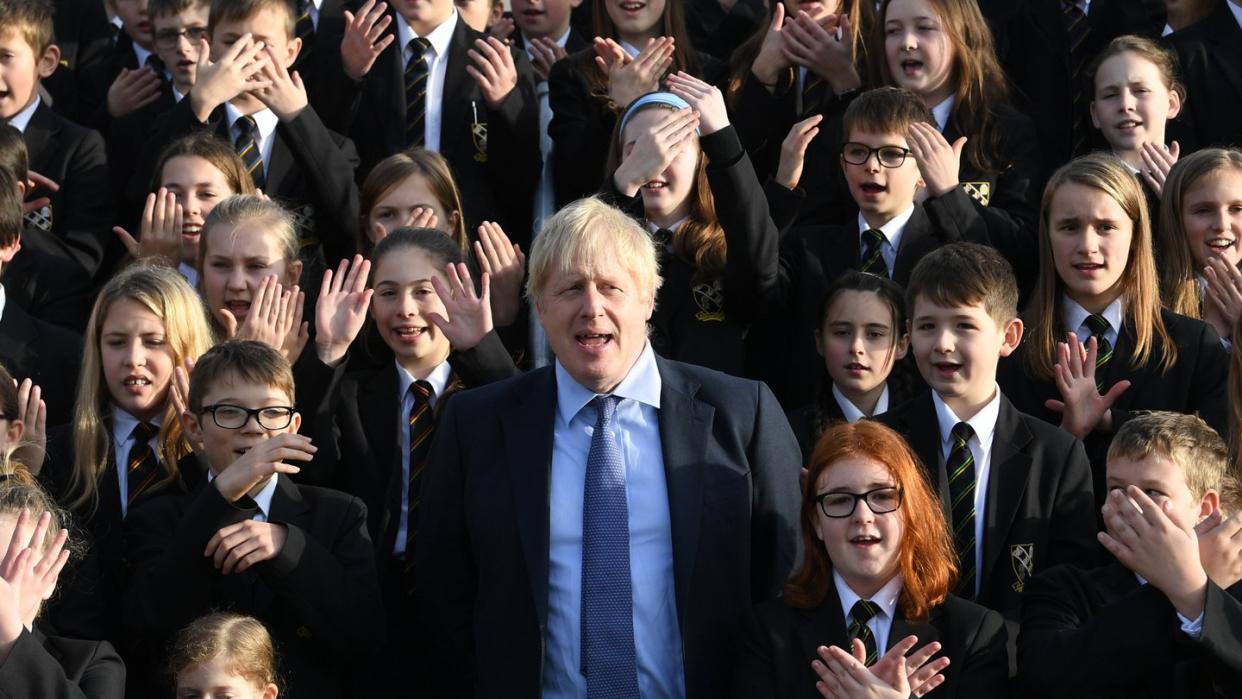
<point x="190" y="274"/>
<point x="1236" y="10"/>
<point x="265" y="119"/>
<point x="943" y="111"/>
<point x="439" y="37"/>
<point x="141" y="54"/>
<point x="123" y="424"/>
<point x="893" y="229"/>
<point x="630" y="49"/>
<point x="885" y="598"/>
<point x="21" y="119"/>
<point x="263" y="498"/>
<point x="1076" y="316"/>
<point x="438" y="378"/>
<point x="983" y="422"/>
<point x="851" y="411"/>
<point x="642" y="383"/>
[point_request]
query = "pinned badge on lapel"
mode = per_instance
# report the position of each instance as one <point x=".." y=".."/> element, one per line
<point x="40" y="219"/>
<point x="979" y="191"/>
<point x="304" y="224"/>
<point x="1022" y="560"/>
<point x="478" y="134"/>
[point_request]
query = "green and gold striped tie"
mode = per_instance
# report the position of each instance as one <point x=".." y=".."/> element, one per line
<point x="1099" y="327"/>
<point x="862" y="612"/>
<point x="961" y="468"/>
<point x="872" y="257"/>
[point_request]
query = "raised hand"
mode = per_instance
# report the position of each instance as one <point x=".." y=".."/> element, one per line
<point x="793" y="151"/>
<point x="505" y="264"/>
<point x="28" y="575"/>
<point x="772" y="58"/>
<point x="655" y="150"/>
<point x="823" y="48"/>
<point x="628" y="79"/>
<point x="842" y="676"/>
<point x="469" y="314"/>
<point x="180" y="394"/>
<point x="1083" y="409"/>
<point x="240" y="545"/>
<point x="132" y="90"/>
<point x="938" y="161"/>
<point x="237" y="71"/>
<point x="34" y="181"/>
<point x="922" y="675"/>
<point x="1224" y="295"/>
<point x="285" y="93"/>
<point x="32" y="411"/>
<point x="160" y="234"/>
<point x="341" y="309"/>
<point x="262" y="461"/>
<point x="545" y="53"/>
<point x="493" y="70"/>
<point x="1220" y="548"/>
<point x="502" y="30"/>
<point x="1157" y="161"/>
<point x="364" y="38"/>
<point x="703" y="98"/>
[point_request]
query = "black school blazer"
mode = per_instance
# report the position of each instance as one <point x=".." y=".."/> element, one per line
<point x="50" y="666"/>
<point x="1209" y="54"/>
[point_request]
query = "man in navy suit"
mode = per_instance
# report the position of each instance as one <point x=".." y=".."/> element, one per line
<point x="598" y="527"/>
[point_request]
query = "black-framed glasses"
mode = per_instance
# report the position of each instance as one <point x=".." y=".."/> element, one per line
<point x="234" y="417"/>
<point x="856" y="153"/>
<point x="838" y="504"/>
<point x="168" y="38"/>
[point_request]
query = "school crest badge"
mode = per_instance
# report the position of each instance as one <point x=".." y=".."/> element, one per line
<point x="304" y="224"/>
<point x="979" y="191"/>
<point x="478" y="134"/>
<point x="1022" y="560"/>
<point x="40" y="219"/>
<point x="709" y="298"/>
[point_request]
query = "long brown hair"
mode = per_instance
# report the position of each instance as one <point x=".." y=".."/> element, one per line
<point x="927" y="560"/>
<point x="390" y="172"/>
<point x="981" y="86"/>
<point x="217" y="152"/>
<point x="700" y="240"/>
<point x="1141" y="294"/>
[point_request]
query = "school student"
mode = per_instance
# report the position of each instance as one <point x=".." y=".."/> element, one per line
<point x="229" y="655"/>
<point x="1209" y="54"/>
<point x="130" y="76"/>
<point x="125" y="442"/>
<point x="1135" y="93"/>
<point x="1199" y="232"/>
<point x="417" y="75"/>
<point x="876" y="586"/>
<point x="34" y="661"/>
<point x="297" y="558"/>
<point x="84" y="35"/>
<point x="634" y="50"/>
<point x="862" y="338"/>
<point x="1098" y="343"/>
<point x="885" y="168"/>
<point x="704" y="207"/>
<point x="73" y="223"/>
<point x="245" y="94"/>
<point x="1162" y="618"/>
<point x="1017" y="490"/>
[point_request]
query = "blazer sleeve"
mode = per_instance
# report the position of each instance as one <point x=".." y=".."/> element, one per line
<point x="580" y="128"/>
<point x="330" y="580"/>
<point x="1221" y="645"/>
<point x="85" y="203"/>
<point x="318" y="388"/>
<point x="983" y="668"/>
<point x="31" y="671"/>
<point x="751" y="238"/>
<point x="775" y="462"/>
<point x="1211" y="381"/>
<point x="754" y="668"/>
<point x="329" y="167"/>
<point x="484" y="363"/>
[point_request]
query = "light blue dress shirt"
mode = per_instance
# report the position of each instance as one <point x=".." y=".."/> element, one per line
<point x="657" y="636"/>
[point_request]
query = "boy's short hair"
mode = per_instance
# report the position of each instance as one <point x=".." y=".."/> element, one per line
<point x="234" y="10"/>
<point x="248" y="360"/>
<point x="1186" y="440"/>
<point x="886" y="110"/>
<point x="11" y="222"/>
<point x="966" y="274"/>
<point x="13" y="155"/>
<point x="32" y="18"/>
<point x="168" y="8"/>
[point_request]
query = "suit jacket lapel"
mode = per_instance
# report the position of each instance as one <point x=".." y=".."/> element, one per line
<point x="1011" y="466"/>
<point x="282" y="162"/>
<point x="685" y="425"/>
<point x="455" y="102"/>
<point x="914" y="238"/>
<point x="378" y="415"/>
<point x="1119" y="367"/>
<point x="40" y="131"/>
<point x="922" y="431"/>
<point x="822" y="626"/>
<point x="287" y="507"/>
<point x="528" y="434"/>
<point x="925" y="632"/>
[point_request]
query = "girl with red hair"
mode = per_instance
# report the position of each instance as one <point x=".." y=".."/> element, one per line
<point x="870" y="606"/>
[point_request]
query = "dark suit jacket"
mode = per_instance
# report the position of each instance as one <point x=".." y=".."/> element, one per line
<point x="48" y="666"/>
<point x="778" y="643"/>
<point x="1197" y="383"/>
<point x="318" y="597"/>
<point x="1101" y="633"/>
<point x="81" y="210"/>
<point x="732" y="471"/>
<point x="47" y="354"/>
<point x="94" y="79"/>
<point x="36" y="281"/>
<point x="1039" y="510"/>
<point x="1210" y="56"/>
<point x="84" y="36"/>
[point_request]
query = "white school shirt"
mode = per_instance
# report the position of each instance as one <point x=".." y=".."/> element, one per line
<point x="123" y="425"/>
<point x="266" y="122"/>
<point x="1076" y="319"/>
<point x="851" y="411"/>
<point x="892" y="231"/>
<point x="437" y="64"/>
<point x="885" y="598"/>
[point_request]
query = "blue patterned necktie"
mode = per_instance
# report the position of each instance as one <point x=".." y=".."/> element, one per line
<point x="608" y="655"/>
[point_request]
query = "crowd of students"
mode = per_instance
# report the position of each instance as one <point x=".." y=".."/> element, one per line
<point x="972" y="264"/>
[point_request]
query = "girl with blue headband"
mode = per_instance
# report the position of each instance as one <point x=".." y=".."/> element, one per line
<point x="678" y="165"/>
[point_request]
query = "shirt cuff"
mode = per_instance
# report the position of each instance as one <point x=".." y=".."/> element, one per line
<point x="1191" y="627"/>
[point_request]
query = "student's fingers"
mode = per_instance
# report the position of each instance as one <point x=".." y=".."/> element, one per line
<point x="1055" y="406"/>
<point x="920" y="678"/>
<point x="131" y="245"/>
<point x="251" y="544"/>
<point x="50" y="556"/>
<point x="325" y="287"/>
<point x="920" y="657"/>
<point x="375" y="26"/>
<point x="489" y="246"/>
<point x="356" y="282"/>
<point x="1214" y="518"/>
<point x="483" y="81"/>
<point x="1114" y="546"/>
<point x="42" y="523"/>
<point x="17" y="542"/>
<point x="1175" y="151"/>
<point x="227" y="321"/>
<point x="53" y="572"/>
<point x="243" y="44"/>
<point x="480" y="256"/>
<point x="1114" y="393"/>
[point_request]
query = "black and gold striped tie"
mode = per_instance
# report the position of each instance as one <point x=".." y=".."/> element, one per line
<point x="1099" y="327"/>
<point x="1076" y="30"/>
<point x="416" y="71"/>
<point x="142" y="469"/>
<point x="872" y="256"/>
<point x="247" y="146"/>
<point x="421" y="425"/>
<point x="862" y="612"/>
<point x="961" y="468"/>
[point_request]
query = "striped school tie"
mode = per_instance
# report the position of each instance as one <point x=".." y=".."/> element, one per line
<point x="421" y="425"/>
<point x="1076" y="30"/>
<point x="862" y="612"/>
<point x="1099" y="327"/>
<point x="247" y="147"/>
<point x="872" y="258"/>
<point x="416" y="70"/>
<point x="142" y="469"/>
<point x="961" y="468"/>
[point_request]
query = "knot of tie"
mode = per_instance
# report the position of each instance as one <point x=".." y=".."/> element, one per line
<point x="863" y="611"/>
<point x="605" y="408"/>
<point x="961" y="433"/>
<point x="662" y="237"/>
<point x="419" y="46"/>
<point x="143" y="432"/>
<point x="422" y="391"/>
<point x="246" y="125"/>
<point x="1098" y="325"/>
<point x="872" y="257"/>
<point x="156" y="64"/>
